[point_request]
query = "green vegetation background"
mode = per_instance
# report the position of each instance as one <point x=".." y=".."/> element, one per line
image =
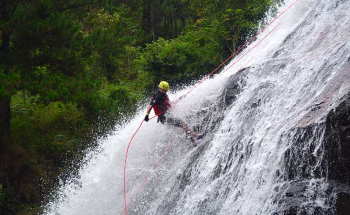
<point x="70" y="70"/>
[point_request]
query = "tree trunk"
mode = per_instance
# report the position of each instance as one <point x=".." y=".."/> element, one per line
<point x="5" y="100"/>
<point x="172" y="22"/>
<point x="5" y="119"/>
<point x="152" y="24"/>
<point x="5" y="46"/>
<point x="234" y="46"/>
<point x="175" y="25"/>
<point x="183" y="22"/>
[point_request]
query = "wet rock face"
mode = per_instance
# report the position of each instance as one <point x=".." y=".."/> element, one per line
<point x="337" y="148"/>
<point x="338" y="142"/>
<point x="331" y="164"/>
<point x="209" y="122"/>
<point x="234" y="86"/>
<point x="343" y="204"/>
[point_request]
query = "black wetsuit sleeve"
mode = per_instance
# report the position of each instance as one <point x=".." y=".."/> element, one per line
<point x="157" y="99"/>
<point x="153" y="101"/>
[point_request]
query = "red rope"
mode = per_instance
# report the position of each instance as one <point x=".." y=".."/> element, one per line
<point x="126" y="157"/>
<point x="243" y="46"/>
<point x="245" y="64"/>
<point x="251" y="48"/>
<point x="150" y="173"/>
<point x="126" y="205"/>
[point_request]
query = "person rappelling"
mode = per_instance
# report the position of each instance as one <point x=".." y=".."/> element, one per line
<point x="161" y="105"/>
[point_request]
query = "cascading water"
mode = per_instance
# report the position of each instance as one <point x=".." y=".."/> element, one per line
<point x="276" y="132"/>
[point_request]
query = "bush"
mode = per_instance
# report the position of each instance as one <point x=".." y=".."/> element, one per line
<point x="182" y="59"/>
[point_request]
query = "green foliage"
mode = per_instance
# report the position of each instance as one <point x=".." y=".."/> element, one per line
<point x="30" y="121"/>
<point x="237" y="19"/>
<point x="109" y="36"/>
<point x="183" y="58"/>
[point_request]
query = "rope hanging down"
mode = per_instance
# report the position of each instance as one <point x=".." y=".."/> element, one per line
<point x="126" y="157"/>
<point x="126" y="205"/>
<point x="168" y="146"/>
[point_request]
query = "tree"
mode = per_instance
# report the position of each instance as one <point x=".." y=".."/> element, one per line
<point x="6" y="75"/>
<point x="41" y="52"/>
<point x="111" y="33"/>
<point x="164" y="18"/>
<point x="237" y="18"/>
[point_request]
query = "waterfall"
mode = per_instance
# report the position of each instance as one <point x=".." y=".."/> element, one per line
<point x="274" y="139"/>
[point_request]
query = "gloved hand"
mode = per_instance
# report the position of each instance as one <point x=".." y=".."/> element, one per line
<point x="146" y="118"/>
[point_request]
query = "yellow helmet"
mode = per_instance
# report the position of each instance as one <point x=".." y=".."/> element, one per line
<point x="164" y="85"/>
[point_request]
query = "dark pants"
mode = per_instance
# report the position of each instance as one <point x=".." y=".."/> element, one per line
<point x="170" y="120"/>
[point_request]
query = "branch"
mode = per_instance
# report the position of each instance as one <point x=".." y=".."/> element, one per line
<point x="75" y="6"/>
<point x="15" y="7"/>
